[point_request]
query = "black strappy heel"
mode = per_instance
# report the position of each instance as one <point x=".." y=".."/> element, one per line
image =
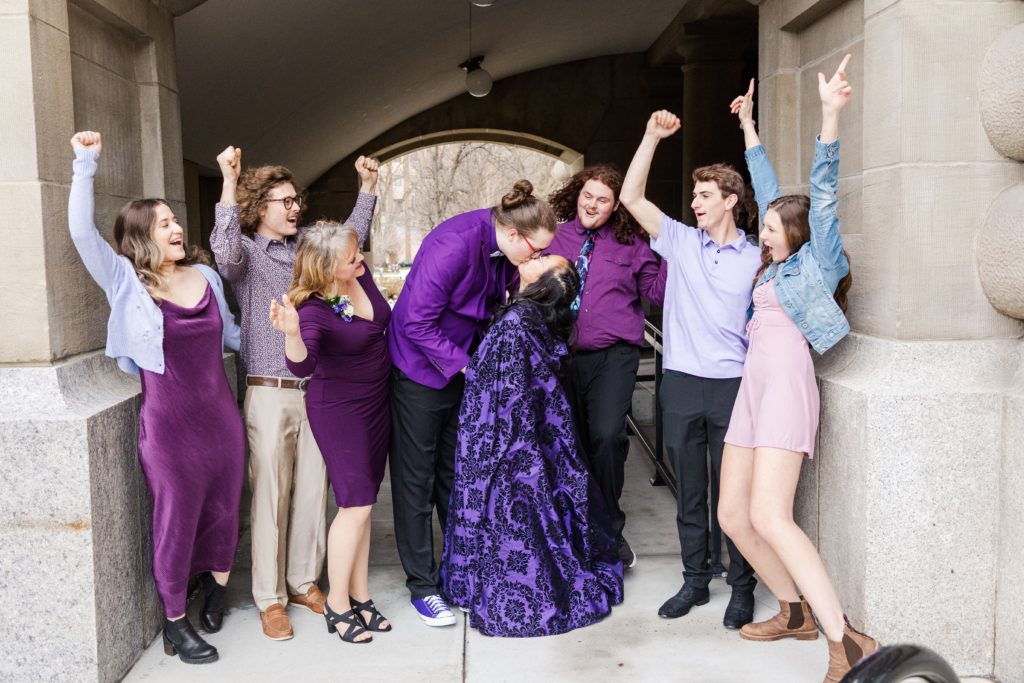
<point x="375" y="617"/>
<point x="350" y="619"/>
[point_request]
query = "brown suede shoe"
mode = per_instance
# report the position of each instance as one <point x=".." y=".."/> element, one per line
<point x="313" y="600"/>
<point x="794" y="620"/>
<point x="276" y="624"/>
<point x="843" y="655"/>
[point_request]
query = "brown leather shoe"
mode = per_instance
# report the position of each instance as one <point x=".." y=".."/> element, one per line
<point x="313" y="600"/>
<point x="276" y="624"/>
<point x="794" y="620"/>
<point x="843" y="655"/>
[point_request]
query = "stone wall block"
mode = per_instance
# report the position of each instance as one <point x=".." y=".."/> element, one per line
<point x="1000" y="250"/>
<point x="883" y="97"/>
<point x="873" y="7"/>
<point x="941" y="292"/>
<point x="1010" y="577"/>
<point x="842" y="26"/>
<point x="24" y="318"/>
<point x="777" y="104"/>
<point x="53" y="109"/>
<point x="17" y="116"/>
<point x="851" y="132"/>
<point x="1001" y="97"/>
<point x="170" y="147"/>
<point x="778" y="50"/>
<point x="53" y="12"/>
<point x="157" y="62"/>
<point x="102" y="43"/>
<point x="943" y="123"/>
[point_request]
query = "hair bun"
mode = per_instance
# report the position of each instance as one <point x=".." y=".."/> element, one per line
<point x="521" y="191"/>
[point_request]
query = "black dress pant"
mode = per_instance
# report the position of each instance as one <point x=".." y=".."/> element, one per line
<point x="695" y="412"/>
<point x="424" y="431"/>
<point x="600" y="389"/>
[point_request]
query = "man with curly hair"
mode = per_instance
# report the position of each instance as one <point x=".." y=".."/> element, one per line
<point x="617" y="271"/>
<point x="254" y="242"/>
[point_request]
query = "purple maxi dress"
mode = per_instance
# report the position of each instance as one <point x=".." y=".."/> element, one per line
<point x="529" y="549"/>
<point x="192" y="450"/>
<point x="347" y="397"/>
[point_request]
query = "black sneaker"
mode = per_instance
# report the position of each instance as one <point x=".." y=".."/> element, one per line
<point x="626" y="554"/>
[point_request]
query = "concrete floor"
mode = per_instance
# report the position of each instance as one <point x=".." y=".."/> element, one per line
<point x="632" y="644"/>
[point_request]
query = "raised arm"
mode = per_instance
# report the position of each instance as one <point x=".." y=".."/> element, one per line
<point x="361" y="217"/>
<point x="102" y="262"/>
<point x="661" y="125"/>
<point x="298" y="356"/>
<point x="826" y="242"/>
<point x="226" y="238"/>
<point x="762" y="174"/>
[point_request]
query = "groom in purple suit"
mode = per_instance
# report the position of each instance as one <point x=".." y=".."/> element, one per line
<point x="459" y="277"/>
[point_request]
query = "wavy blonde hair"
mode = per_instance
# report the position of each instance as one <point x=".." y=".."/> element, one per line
<point x="132" y="229"/>
<point x="316" y="257"/>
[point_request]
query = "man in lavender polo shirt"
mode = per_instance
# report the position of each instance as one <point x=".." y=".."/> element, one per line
<point x="617" y="272"/>
<point x="711" y="271"/>
<point x="254" y="242"/>
<point x="460" y="276"/>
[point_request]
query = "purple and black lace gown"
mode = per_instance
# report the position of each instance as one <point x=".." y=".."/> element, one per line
<point x="528" y="548"/>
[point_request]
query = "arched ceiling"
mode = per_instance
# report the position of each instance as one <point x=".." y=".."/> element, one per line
<point x="305" y="83"/>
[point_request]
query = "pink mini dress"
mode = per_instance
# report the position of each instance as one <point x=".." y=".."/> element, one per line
<point x="778" y="402"/>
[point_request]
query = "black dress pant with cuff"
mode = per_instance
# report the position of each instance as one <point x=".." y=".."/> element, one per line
<point x="695" y="412"/>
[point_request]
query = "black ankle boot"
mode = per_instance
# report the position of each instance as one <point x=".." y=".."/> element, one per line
<point x="212" y="614"/>
<point x="182" y="640"/>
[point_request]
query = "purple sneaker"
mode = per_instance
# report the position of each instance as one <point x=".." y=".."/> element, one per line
<point x="434" y="611"/>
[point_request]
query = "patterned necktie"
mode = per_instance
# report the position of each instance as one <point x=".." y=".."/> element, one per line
<point x="583" y="267"/>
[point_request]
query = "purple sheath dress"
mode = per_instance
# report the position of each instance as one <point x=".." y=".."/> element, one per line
<point x="347" y="397"/>
<point x="192" y="450"/>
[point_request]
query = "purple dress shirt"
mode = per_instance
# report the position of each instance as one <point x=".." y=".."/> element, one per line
<point x="709" y="290"/>
<point x="260" y="269"/>
<point x="619" y="275"/>
<point x="448" y="298"/>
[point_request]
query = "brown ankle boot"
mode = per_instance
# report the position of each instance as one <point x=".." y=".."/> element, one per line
<point x="844" y="654"/>
<point x="794" y="620"/>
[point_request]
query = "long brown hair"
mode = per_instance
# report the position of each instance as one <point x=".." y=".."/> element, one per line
<point x="519" y="209"/>
<point x="564" y="200"/>
<point x="132" y="229"/>
<point x="794" y="212"/>
<point x="316" y="258"/>
<point x="253" y="187"/>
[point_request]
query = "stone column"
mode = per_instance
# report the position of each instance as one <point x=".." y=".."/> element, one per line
<point x="913" y="485"/>
<point x="74" y="517"/>
<point x="713" y="74"/>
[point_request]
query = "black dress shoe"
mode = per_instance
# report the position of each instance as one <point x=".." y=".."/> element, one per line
<point x="182" y="640"/>
<point x="680" y="603"/>
<point x="740" y="611"/>
<point x="212" y="614"/>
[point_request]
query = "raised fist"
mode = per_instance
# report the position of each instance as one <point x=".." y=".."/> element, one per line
<point x="86" y="139"/>
<point x="230" y="162"/>
<point x="663" y="124"/>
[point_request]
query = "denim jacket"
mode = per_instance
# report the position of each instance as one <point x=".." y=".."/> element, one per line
<point x="135" y="329"/>
<point x="807" y="280"/>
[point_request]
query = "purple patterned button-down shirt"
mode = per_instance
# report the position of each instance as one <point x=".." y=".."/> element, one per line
<point x="260" y="269"/>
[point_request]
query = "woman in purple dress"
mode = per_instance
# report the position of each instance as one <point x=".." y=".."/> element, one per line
<point x="530" y="549"/>
<point x="334" y="319"/>
<point x="169" y="323"/>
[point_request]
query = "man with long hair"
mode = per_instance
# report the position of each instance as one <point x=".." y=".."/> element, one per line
<point x="254" y="242"/>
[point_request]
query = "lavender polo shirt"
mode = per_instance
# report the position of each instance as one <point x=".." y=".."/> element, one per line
<point x="706" y="300"/>
<point x="620" y="274"/>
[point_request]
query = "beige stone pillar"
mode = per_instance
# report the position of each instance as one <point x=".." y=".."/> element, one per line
<point x="908" y="496"/>
<point x="75" y="515"/>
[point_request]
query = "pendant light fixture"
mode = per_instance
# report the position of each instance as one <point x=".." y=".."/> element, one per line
<point x="478" y="80"/>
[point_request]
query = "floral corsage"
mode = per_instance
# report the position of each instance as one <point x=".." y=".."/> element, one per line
<point x="342" y="306"/>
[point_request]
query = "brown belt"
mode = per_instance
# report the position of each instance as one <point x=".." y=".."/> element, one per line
<point x="276" y="382"/>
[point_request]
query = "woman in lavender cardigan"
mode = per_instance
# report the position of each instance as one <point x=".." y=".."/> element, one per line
<point x="169" y="323"/>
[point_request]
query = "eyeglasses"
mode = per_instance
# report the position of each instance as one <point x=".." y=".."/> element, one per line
<point x="288" y="202"/>
<point x="533" y="249"/>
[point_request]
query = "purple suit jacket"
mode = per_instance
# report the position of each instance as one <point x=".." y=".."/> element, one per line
<point x="452" y="291"/>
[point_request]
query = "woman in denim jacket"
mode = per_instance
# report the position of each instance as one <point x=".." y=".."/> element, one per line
<point x="798" y="302"/>
<point x="169" y="324"/>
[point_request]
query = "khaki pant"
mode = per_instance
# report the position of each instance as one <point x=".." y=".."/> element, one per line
<point x="289" y="496"/>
